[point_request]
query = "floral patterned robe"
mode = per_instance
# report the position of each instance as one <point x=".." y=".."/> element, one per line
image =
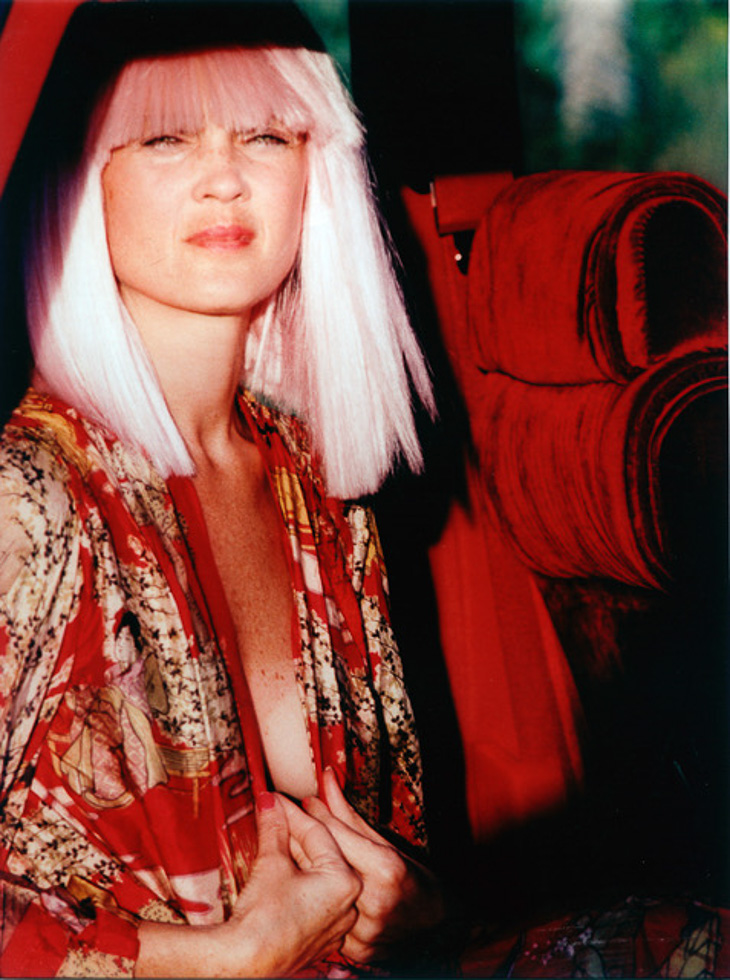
<point x="129" y="752"/>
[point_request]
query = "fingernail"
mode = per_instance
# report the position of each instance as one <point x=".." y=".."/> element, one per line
<point x="333" y="775"/>
<point x="265" y="801"/>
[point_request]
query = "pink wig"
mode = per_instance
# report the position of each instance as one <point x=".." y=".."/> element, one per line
<point x="333" y="344"/>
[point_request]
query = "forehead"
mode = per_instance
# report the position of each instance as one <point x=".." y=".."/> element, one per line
<point x="235" y="88"/>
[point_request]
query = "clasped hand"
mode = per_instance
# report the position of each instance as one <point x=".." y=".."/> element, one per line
<point x="323" y="881"/>
<point x="398" y="897"/>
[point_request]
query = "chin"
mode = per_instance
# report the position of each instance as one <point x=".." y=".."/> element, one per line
<point x="224" y="303"/>
<point x="222" y="308"/>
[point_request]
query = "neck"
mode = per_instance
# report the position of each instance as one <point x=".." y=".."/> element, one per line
<point x="199" y="361"/>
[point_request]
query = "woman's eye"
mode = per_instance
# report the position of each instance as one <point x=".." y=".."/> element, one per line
<point x="165" y="141"/>
<point x="272" y="138"/>
<point x="267" y="140"/>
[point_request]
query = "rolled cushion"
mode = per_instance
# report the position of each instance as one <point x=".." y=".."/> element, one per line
<point x="586" y="276"/>
<point x="572" y="473"/>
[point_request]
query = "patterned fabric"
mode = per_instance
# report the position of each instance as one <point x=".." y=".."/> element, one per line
<point x="638" y="937"/>
<point x="129" y="753"/>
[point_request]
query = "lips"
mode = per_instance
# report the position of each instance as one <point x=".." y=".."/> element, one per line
<point x="222" y="237"/>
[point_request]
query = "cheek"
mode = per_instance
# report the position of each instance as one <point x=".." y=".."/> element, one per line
<point x="131" y="216"/>
<point x="119" y="218"/>
<point x="114" y="233"/>
<point x="292" y="216"/>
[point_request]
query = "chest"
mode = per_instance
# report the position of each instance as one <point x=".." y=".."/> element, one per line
<point x="245" y="532"/>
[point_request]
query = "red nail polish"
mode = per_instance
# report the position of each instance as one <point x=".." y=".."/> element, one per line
<point x="265" y="801"/>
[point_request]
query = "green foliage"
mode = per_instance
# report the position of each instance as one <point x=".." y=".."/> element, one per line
<point x="676" y="114"/>
<point x="330" y="20"/>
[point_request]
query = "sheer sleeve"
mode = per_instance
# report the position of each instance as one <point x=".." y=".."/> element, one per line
<point x="39" y="546"/>
<point x="44" y="929"/>
<point x="370" y="583"/>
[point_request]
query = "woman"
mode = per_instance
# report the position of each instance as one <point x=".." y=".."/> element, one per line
<point x="209" y="764"/>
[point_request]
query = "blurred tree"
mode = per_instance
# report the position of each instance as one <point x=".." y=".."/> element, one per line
<point x="669" y="109"/>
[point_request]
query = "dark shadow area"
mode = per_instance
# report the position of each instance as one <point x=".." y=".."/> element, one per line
<point x="435" y="83"/>
<point x="684" y="294"/>
<point x="15" y="357"/>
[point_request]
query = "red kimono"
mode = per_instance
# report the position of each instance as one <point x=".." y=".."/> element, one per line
<point x="129" y="751"/>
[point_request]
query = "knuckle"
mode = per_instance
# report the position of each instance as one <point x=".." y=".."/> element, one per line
<point x="352" y="884"/>
<point x="345" y="882"/>
<point x="382" y="907"/>
<point x="356" y="950"/>
<point x="367" y="930"/>
<point x="392" y="869"/>
<point x="268" y="864"/>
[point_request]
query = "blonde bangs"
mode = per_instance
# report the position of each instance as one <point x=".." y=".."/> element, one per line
<point x="333" y="344"/>
<point x="237" y="88"/>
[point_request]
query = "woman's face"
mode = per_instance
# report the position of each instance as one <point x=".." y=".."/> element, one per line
<point x="206" y="221"/>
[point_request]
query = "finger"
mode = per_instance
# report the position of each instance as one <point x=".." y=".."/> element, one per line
<point x="295" y="848"/>
<point x="310" y="837"/>
<point x="346" y="814"/>
<point x="338" y="805"/>
<point x="345" y="925"/>
<point x="365" y="855"/>
<point x="298" y="856"/>
<point x="366" y="930"/>
<point x="335" y="936"/>
<point x="360" y="952"/>
<point x="272" y="824"/>
<point x="317" y="809"/>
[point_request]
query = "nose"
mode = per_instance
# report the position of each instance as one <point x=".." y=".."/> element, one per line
<point x="221" y="169"/>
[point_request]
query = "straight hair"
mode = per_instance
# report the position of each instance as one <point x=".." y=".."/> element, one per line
<point x="333" y="345"/>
